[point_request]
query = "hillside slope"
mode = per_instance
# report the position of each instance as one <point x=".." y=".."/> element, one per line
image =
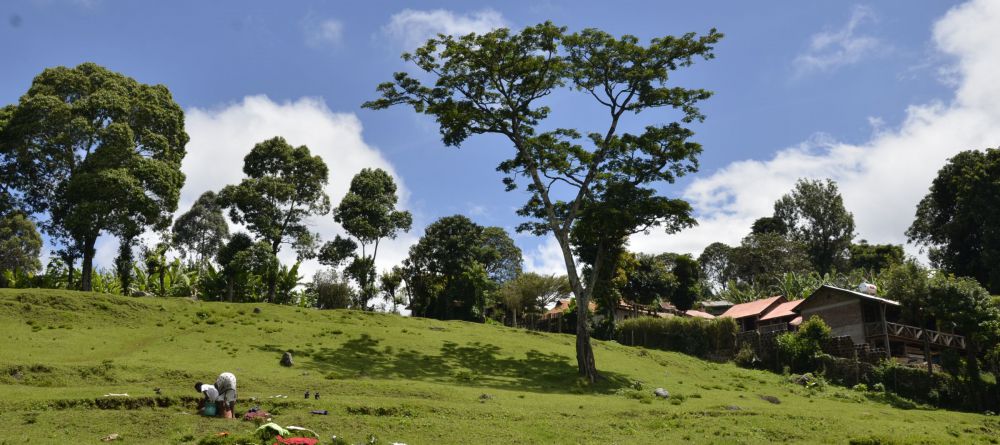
<point x="402" y="379"/>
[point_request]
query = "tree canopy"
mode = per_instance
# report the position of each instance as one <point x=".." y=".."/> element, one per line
<point x="97" y="150"/>
<point x="447" y="270"/>
<point x="202" y="230"/>
<point x="20" y="246"/>
<point x="956" y="219"/>
<point x="497" y="83"/>
<point x="283" y="187"/>
<point x="368" y="214"/>
<point x="815" y="216"/>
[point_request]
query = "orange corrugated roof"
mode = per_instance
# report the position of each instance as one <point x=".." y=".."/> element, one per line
<point x="753" y="308"/>
<point x="698" y="314"/>
<point x="785" y="309"/>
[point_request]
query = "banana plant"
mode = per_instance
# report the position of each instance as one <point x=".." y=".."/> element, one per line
<point x="288" y="279"/>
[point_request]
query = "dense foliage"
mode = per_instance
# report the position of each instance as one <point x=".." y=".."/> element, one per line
<point x="283" y="186"/>
<point x="97" y="152"/>
<point x="448" y="274"/>
<point x="956" y="220"/>
<point x="694" y="336"/>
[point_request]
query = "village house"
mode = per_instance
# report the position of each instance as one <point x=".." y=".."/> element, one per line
<point x="869" y="319"/>
<point x="781" y="318"/>
<point x="748" y="315"/>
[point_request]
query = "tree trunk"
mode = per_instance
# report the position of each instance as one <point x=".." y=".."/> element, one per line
<point x="163" y="271"/>
<point x="229" y="290"/>
<point x="69" y="270"/>
<point x="972" y="369"/>
<point x="584" y="352"/>
<point x="88" y="264"/>
<point x="272" y="285"/>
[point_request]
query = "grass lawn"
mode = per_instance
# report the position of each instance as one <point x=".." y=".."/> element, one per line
<point x="401" y="379"/>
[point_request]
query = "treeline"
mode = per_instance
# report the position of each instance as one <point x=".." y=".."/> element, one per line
<point x="88" y="152"/>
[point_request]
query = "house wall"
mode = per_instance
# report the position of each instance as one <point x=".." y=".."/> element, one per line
<point x="841" y="312"/>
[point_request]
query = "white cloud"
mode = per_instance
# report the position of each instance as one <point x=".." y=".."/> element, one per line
<point x="411" y="28"/>
<point x="221" y="137"/>
<point x="320" y="33"/>
<point x="835" y="48"/>
<point x="546" y="258"/>
<point x="883" y="179"/>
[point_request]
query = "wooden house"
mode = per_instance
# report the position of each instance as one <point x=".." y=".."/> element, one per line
<point x="868" y="318"/>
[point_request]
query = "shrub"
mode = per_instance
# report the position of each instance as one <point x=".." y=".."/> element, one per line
<point x="694" y="336"/>
<point x="798" y="350"/>
<point x="745" y="357"/>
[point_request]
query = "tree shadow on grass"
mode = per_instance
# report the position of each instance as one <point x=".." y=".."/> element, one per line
<point x="472" y="364"/>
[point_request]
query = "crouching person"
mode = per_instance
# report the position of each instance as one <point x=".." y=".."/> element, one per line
<point x="220" y="398"/>
<point x="208" y="405"/>
<point x="226" y="385"/>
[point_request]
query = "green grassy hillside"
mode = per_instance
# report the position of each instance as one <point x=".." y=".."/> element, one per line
<point x="402" y="379"/>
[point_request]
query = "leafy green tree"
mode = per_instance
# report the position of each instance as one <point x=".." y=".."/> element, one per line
<point x="232" y="275"/>
<point x="20" y="246"/>
<point x="202" y="230"/>
<point x="497" y="83"/>
<point x="648" y="280"/>
<point x="501" y="256"/>
<point x="528" y="293"/>
<point x="956" y="220"/>
<point x="716" y="266"/>
<point x="769" y="224"/>
<point x="815" y="216"/>
<point x="389" y="285"/>
<point x="124" y="265"/>
<point x="368" y="214"/>
<point x="8" y="167"/>
<point x="99" y="151"/>
<point x="688" y="276"/>
<point x="330" y="290"/>
<point x="447" y="271"/>
<point x="875" y="257"/>
<point x="282" y="188"/>
<point x="761" y="259"/>
<point x="908" y="283"/>
<point x="963" y="304"/>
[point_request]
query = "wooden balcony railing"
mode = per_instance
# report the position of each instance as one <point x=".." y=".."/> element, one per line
<point x="914" y="334"/>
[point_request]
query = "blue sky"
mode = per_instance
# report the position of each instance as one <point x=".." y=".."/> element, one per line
<point x="814" y="89"/>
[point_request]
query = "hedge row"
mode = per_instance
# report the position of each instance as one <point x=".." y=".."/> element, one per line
<point x="937" y="389"/>
<point x="693" y="336"/>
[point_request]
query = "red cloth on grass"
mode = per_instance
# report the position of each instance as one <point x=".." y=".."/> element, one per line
<point x="295" y="441"/>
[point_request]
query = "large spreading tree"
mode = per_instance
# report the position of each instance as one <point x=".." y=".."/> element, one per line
<point x="283" y="187"/>
<point x="957" y="218"/>
<point x="99" y="152"/>
<point x="368" y="214"/>
<point x="497" y="83"/>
